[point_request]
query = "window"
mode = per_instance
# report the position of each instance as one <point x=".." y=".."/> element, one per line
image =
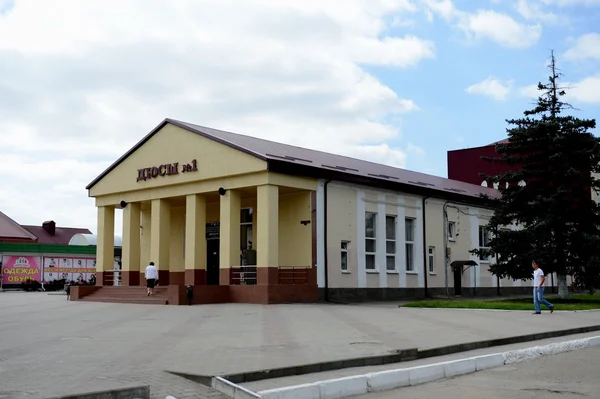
<point x="344" y="259"/>
<point x="248" y="256"/>
<point x="390" y="242"/>
<point x="246" y="228"/>
<point x="484" y="240"/>
<point x="370" y="240"/>
<point x="409" y="225"/>
<point x="451" y="231"/>
<point x="431" y="260"/>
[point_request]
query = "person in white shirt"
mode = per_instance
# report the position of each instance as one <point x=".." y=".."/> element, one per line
<point x="538" y="289"/>
<point x="151" y="275"/>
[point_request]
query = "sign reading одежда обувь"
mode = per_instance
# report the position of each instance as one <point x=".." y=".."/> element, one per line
<point x="166" y="170"/>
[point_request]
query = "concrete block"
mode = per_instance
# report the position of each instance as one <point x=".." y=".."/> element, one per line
<point x="488" y="361"/>
<point x="304" y="391"/>
<point x="428" y="373"/>
<point x="342" y="387"/>
<point x="222" y="386"/>
<point x="459" y="367"/>
<point x="595" y="341"/>
<point x="389" y="379"/>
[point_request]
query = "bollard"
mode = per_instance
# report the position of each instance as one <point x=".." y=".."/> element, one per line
<point x="190" y="293"/>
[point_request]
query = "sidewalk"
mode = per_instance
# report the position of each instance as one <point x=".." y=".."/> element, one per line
<point x="52" y="346"/>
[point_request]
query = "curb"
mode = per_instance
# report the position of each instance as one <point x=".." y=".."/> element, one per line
<point x="140" y="392"/>
<point x="398" y="356"/>
<point x="391" y="379"/>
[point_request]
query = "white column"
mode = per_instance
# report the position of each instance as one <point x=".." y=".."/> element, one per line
<point x="474" y="275"/>
<point x="381" y="241"/>
<point x="400" y="243"/>
<point x="321" y="234"/>
<point x="360" y="236"/>
<point x="419" y="245"/>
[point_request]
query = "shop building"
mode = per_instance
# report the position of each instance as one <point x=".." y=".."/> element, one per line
<point x="241" y="219"/>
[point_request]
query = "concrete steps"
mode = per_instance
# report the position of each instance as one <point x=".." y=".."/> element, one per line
<point x="134" y="295"/>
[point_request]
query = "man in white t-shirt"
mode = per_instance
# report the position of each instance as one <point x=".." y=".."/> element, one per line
<point x="538" y="289"/>
<point x="151" y="275"/>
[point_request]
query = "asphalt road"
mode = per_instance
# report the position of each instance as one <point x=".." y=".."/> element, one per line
<point x="571" y="375"/>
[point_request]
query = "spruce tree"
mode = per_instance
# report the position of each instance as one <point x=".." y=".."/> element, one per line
<point x="546" y="211"/>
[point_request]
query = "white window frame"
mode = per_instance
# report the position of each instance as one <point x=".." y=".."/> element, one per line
<point x="431" y="260"/>
<point x="409" y="246"/>
<point x="451" y="231"/>
<point x="483" y="231"/>
<point x="372" y="254"/>
<point x="391" y="255"/>
<point x="344" y="251"/>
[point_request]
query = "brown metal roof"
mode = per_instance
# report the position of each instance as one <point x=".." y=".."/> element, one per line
<point x="279" y="154"/>
<point x="9" y="229"/>
<point x="62" y="235"/>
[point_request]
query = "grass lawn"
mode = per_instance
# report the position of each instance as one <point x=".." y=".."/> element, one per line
<point x="575" y="302"/>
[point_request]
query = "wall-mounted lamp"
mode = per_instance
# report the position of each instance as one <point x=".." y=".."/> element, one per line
<point x="305" y="222"/>
<point x="123" y="204"/>
<point x="222" y="191"/>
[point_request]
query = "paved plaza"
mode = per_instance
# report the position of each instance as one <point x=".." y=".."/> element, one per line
<point x="51" y="346"/>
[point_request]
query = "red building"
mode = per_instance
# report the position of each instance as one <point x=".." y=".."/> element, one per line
<point x="11" y="231"/>
<point x="47" y="233"/>
<point x="467" y="165"/>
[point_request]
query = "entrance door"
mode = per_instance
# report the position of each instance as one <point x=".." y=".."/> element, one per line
<point x="458" y="281"/>
<point x="212" y="262"/>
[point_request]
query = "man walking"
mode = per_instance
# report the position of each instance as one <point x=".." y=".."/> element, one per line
<point x="538" y="289"/>
<point x="151" y="275"/>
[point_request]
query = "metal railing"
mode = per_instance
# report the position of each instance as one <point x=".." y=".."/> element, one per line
<point x="113" y="278"/>
<point x="243" y="275"/>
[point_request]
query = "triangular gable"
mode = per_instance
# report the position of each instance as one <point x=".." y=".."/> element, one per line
<point x="174" y="154"/>
<point x="9" y="229"/>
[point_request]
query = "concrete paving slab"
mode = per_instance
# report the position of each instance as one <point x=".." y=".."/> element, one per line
<point x="571" y="375"/>
<point x="257" y="386"/>
<point x="50" y="346"/>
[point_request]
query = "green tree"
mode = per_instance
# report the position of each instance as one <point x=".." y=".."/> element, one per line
<point x="546" y="211"/>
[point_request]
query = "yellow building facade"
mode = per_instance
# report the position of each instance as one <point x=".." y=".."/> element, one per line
<point x="240" y="219"/>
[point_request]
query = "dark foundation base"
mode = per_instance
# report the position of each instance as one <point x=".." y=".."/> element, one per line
<point x="130" y="278"/>
<point x="195" y="277"/>
<point x="206" y="294"/>
<point x="349" y="295"/>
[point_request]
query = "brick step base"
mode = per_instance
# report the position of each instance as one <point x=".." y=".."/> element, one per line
<point x="149" y="301"/>
<point x="134" y="295"/>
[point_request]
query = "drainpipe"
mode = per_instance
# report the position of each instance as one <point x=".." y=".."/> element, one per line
<point x="326" y="263"/>
<point x="425" y="248"/>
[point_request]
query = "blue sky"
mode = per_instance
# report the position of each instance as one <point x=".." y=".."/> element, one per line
<point x="452" y="118"/>
<point x="398" y="82"/>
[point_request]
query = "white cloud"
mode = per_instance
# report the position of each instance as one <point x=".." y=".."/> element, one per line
<point x="585" y="47"/>
<point x="77" y="92"/>
<point x="572" y="3"/>
<point x="585" y="91"/>
<point x="488" y="24"/>
<point x="531" y="10"/>
<point x="491" y="87"/>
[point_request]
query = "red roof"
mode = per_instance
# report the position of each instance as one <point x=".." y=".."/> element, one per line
<point x="61" y="236"/>
<point x="12" y="231"/>
<point x="278" y="153"/>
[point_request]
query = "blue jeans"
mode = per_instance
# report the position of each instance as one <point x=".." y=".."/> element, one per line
<point x="538" y="297"/>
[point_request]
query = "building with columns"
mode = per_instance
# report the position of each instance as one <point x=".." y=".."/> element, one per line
<point x="241" y="219"/>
